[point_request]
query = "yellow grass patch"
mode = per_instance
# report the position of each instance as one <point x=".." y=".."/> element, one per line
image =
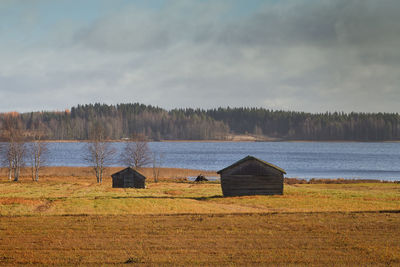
<point x="174" y="192"/>
<point x="67" y="195"/>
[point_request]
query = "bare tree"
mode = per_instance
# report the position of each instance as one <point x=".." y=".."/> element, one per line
<point x="7" y="158"/>
<point x="137" y="152"/>
<point x="100" y="153"/>
<point x="38" y="152"/>
<point x="157" y="163"/>
<point x="14" y="149"/>
<point x="18" y="156"/>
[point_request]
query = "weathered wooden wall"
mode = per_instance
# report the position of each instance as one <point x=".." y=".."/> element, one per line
<point x="128" y="179"/>
<point x="117" y="181"/>
<point x="251" y="178"/>
<point x="134" y="180"/>
<point x="241" y="185"/>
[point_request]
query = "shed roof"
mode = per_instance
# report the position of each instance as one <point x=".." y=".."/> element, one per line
<point x="128" y="169"/>
<point x="252" y="158"/>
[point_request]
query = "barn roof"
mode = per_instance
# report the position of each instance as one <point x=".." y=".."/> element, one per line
<point x="128" y="169"/>
<point x="252" y="158"/>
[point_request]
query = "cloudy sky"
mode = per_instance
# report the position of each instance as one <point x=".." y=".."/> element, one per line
<point x="302" y="55"/>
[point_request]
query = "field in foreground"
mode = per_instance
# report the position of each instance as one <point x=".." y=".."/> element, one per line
<point x="324" y="239"/>
<point x="68" y="219"/>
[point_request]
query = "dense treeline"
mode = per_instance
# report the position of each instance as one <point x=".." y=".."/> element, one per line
<point x="124" y="120"/>
<point x="307" y="126"/>
<point x="120" y="121"/>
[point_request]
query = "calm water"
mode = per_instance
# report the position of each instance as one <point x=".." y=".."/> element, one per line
<point x="303" y="159"/>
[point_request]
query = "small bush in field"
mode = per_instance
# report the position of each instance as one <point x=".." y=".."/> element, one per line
<point x="133" y="260"/>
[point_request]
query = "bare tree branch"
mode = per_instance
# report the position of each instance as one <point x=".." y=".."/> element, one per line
<point x="37" y="150"/>
<point x="136" y="153"/>
<point x="100" y="153"/>
<point x="14" y="149"/>
<point x="157" y="163"/>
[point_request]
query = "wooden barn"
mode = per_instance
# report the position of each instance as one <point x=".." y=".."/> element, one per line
<point x="251" y="176"/>
<point x="128" y="177"/>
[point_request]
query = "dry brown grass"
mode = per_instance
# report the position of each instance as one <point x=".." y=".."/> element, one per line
<point x="325" y="239"/>
<point x="19" y="200"/>
<point x="59" y="194"/>
<point x="68" y="173"/>
<point x="68" y="219"/>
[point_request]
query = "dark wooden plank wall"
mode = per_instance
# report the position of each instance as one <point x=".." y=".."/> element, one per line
<point x="138" y="182"/>
<point x="117" y="182"/>
<point x="127" y="179"/>
<point x="133" y="180"/>
<point x="251" y="178"/>
<point x="239" y="185"/>
<point x="252" y="168"/>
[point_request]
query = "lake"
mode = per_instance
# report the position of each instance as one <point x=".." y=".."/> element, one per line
<point x="299" y="159"/>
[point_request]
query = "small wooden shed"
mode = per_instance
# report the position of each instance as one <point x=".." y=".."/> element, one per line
<point x="251" y="176"/>
<point x="128" y="177"/>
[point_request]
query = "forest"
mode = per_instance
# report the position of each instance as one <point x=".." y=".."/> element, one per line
<point x="126" y="120"/>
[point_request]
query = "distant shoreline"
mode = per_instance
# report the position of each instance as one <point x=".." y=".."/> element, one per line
<point x="234" y="141"/>
<point x="169" y="173"/>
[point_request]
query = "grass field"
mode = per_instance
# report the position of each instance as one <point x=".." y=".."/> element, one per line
<point x="68" y="219"/>
<point x="250" y="239"/>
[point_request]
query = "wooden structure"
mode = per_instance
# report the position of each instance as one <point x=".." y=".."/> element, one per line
<point x="201" y="178"/>
<point x="128" y="177"/>
<point x="251" y="176"/>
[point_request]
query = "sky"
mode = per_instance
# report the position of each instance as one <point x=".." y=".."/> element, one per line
<point x="301" y="55"/>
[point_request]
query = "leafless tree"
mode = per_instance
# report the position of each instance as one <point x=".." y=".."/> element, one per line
<point x="157" y="163"/>
<point x="18" y="158"/>
<point x="100" y="153"/>
<point x="37" y="150"/>
<point x="137" y="152"/>
<point x="14" y="149"/>
<point x="7" y="158"/>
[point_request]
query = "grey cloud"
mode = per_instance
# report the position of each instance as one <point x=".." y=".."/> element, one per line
<point x="302" y="55"/>
<point x="289" y="26"/>
<point x="122" y="36"/>
<point x="322" y="23"/>
<point x="136" y="30"/>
